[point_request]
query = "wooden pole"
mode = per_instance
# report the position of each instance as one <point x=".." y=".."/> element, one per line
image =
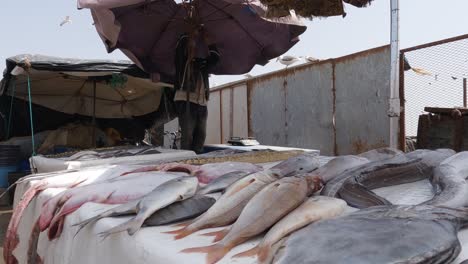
<point x="94" y="114"/>
<point x="464" y="92"/>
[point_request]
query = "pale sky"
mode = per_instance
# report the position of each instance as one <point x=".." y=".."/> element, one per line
<point x="33" y="27"/>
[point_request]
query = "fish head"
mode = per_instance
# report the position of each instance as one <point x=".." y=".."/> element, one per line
<point x="303" y="163"/>
<point x="190" y="184"/>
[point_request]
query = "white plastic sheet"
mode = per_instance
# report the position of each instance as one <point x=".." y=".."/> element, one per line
<point x="150" y="245"/>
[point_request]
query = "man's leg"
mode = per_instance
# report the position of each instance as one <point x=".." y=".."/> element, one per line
<point x="186" y="125"/>
<point x="199" y="133"/>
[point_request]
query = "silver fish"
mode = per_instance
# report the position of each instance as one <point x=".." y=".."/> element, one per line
<point x="449" y="182"/>
<point x="180" y="211"/>
<point x="313" y="209"/>
<point x="167" y="193"/>
<point x="356" y="190"/>
<point x="229" y="206"/>
<point x="380" y="234"/>
<point x="259" y="214"/>
<point x="221" y="183"/>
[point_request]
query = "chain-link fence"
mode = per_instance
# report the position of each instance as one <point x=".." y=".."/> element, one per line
<point x="435" y="75"/>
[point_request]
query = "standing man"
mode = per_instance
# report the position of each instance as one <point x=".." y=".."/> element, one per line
<point x="192" y="83"/>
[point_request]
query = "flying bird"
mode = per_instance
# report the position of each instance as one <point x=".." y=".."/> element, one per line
<point x="66" y="20"/>
<point x="287" y="60"/>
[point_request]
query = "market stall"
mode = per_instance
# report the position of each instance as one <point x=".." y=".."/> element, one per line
<point x="152" y="244"/>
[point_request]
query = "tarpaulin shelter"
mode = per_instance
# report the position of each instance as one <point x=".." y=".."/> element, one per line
<point x="61" y="89"/>
<point x="119" y="89"/>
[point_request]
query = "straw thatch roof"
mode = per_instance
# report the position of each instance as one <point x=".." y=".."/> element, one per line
<point x="310" y="8"/>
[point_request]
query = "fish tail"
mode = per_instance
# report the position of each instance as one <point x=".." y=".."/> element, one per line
<point x="263" y="254"/>
<point x="249" y="253"/>
<point x="181" y="233"/>
<point x="214" y="252"/>
<point x="218" y="235"/>
<point x="183" y="224"/>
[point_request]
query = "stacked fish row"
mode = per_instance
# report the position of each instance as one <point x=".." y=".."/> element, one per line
<point x="174" y="193"/>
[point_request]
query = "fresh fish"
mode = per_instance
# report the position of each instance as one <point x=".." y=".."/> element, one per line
<point x="109" y="192"/>
<point x="180" y="211"/>
<point x="356" y="190"/>
<point x="229" y="206"/>
<point x="338" y="165"/>
<point x="332" y="187"/>
<point x="259" y="214"/>
<point x="449" y="182"/>
<point x="314" y="209"/>
<point x="380" y="234"/>
<point x="221" y="183"/>
<point x="205" y="173"/>
<point x="62" y="179"/>
<point x="175" y="190"/>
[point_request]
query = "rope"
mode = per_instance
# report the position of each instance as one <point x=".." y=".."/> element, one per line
<point x="11" y="110"/>
<point x="31" y="118"/>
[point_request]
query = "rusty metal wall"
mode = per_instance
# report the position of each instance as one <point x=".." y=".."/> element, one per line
<point x="213" y="127"/>
<point x="309" y="113"/>
<point x="362" y="94"/>
<point x="338" y="106"/>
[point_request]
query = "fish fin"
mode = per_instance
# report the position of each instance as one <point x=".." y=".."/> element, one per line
<point x="214" y="252"/>
<point x="180" y="233"/>
<point x="123" y="209"/>
<point x="131" y="226"/>
<point x="183" y="224"/>
<point x="263" y="254"/>
<point x="238" y="188"/>
<point x="218" y="235"/>
<point x="248" y="253"/>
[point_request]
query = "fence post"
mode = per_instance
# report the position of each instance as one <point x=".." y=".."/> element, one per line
<point x="464" y="92"/>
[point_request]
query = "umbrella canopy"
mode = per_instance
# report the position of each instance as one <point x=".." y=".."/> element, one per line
<point x="310" y="8"/>
<point x="148" y="31"/>
<point x="118" y="89"/>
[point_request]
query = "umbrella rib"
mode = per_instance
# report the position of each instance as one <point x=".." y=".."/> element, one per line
<point x="237" y="22"/>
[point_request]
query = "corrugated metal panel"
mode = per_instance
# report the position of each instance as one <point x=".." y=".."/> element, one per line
<point x="240" y="119"/>
<point x="362" y="94"/>
<point x="310" y="108"/>
<point x="213" y="131"/>
<point x="226" y="114"/>
<point x="267" y="110"/>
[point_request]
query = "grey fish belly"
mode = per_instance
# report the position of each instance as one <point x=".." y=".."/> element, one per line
<point x="180" y="211"/>
<point x="371" y="241"/>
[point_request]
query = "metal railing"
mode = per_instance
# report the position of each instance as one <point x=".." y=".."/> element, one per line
<point x="432" y="75"/>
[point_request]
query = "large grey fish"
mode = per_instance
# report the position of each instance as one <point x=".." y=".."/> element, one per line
<point x="380" y="234"/>
<point x="334" y="185"/>
<point x="167" y="193"/>
<point x="221" y="183"/>
<point x="229" y="206"/>
<point x="356" y="190"/>
<point x="261" y="212"/>
<point x="313" y="209"/>
<point x="449" y="182"/>
<point x="180" y="211"/>
<point x="337" y="166"/>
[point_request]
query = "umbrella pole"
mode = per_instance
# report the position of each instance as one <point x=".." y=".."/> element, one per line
<point x="94" y="114"/>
